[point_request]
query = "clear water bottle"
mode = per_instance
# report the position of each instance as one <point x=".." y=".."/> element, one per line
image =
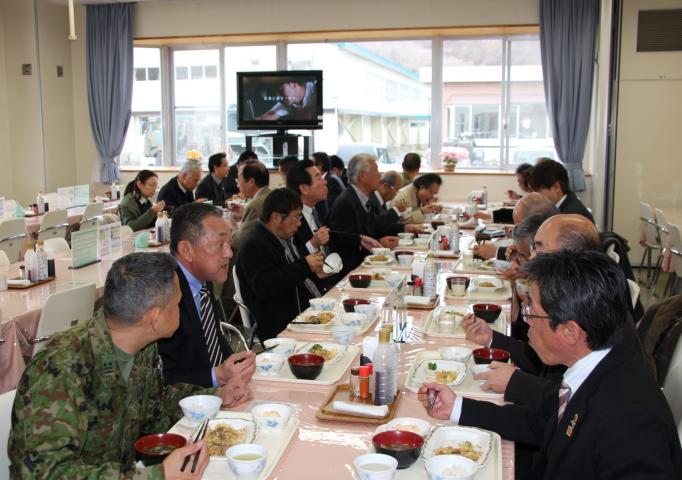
<point x="385" y="370"/>
<point x="454" y="244"/>
<point x="430" y="279"/>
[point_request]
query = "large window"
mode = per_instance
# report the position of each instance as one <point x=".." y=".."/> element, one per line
<point x="377" y="99"/>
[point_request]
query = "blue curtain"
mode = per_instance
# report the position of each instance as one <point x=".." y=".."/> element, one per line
<point x="109" y="42"/>
<point x="568" y="31"/>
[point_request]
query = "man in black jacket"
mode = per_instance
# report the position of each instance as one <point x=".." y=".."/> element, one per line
<point x="276" y="282"/>
<point x="550" y="178"/>
<point x="197" y="353"/>
<point x="355" y="212"/>
<point x="608" y="419"/>
<point x="211" y="186"/>
<point x="179" y="190"/>
<point x="335" y="185"/>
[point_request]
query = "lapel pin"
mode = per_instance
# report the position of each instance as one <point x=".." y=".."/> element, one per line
<point x="571" y="426"/>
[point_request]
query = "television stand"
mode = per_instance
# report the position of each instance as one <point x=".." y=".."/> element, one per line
<point x="283" y="144"/>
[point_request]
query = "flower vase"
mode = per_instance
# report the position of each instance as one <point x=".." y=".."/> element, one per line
<point x="449" y="167"/>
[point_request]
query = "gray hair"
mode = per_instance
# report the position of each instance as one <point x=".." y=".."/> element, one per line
<point x="358" y="164"/>
<point x="525" y="231"/>
<point x="190" y="166"/>
<point x="137" y="283"/>
<point x="392" y="178"/>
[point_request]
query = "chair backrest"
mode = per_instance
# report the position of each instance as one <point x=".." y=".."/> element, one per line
<point x="673" y="394"/>
<point x="634" y="291"/>
<point x="676" y="248"/>
<point x="646" y="215"/>
<point x="63" y="310"/>
<point x="12" y="236"/>
<point x="662" y="225"/>
<point x="243" y="309"/>
<point x="4" y="259"/>
<point x="612" y="254"/>
<point x="6" y="402"/>
<point x="59" y="246"/>
<point x="54" y="225"/>
<point x="90" y="215"/>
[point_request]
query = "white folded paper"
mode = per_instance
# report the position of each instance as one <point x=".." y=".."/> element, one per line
<point x="378" y="411"/>
<point x="417" y="300"/>
<point x="22" y="283"/>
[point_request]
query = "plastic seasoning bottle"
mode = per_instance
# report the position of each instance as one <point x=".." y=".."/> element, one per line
<point x="42" y="260"/>
<point x="160" y="228"/>
<point x="385" y="369"/>
<point x="371" y="378"/>
<point x="484" y="200"/>
<point x="50" y="263"/>
<point x="363" y="382"/>
<point x="418" y="284"/>
<point x="455" y="235"/>
<point x="31" y="263"/>
<point x="430" y="279"/>
<point x="40" y="202"/>
<point x="354" y="388"/>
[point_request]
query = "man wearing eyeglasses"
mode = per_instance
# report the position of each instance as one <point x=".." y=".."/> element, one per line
<point x="277" y="282"/>
<point x="608" y="419"/>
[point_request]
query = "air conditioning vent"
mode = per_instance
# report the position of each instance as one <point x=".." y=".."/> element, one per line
<point x="659" y="31"/>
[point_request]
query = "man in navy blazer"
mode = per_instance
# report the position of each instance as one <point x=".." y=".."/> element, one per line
<point x="200" y="243"/>
<point x="550" y="178"/>
<point x="608" y="419"/>
<point x="179" y="190"/>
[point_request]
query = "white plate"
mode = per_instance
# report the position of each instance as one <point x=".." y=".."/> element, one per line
<point x="339" y="350"/>
<point x="496" y="284"/>
<point x="308" y="314"/>
<point x="423" y="374"/>
<point x="454" y="436"/>
<point x="388" y="261"/>
<point x="237" y="424"/>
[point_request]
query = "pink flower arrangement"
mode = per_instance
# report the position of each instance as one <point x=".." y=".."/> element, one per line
<point x="449" y="158"/>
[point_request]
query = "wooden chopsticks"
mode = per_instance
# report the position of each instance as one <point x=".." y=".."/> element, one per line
<point x="199" y="436"/>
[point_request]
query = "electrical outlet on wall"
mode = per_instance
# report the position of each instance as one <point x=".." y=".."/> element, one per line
<point x="26" y="69"/>
<point x="60" y="71"/>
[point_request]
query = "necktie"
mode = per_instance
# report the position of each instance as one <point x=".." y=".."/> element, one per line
<point x="209" y="325"/>
<point x="292" y="255"/>
<point x="564" y="395"/>
<point x="323" y="248"/>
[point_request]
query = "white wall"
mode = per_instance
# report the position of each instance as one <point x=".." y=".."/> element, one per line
<point x="648" y="159"/>
<point x="6" y="188"/>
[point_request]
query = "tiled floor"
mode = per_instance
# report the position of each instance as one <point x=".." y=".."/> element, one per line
<point x="645" y="294"/>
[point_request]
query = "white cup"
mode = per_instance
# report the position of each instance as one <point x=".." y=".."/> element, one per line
<point x="468" y="258"/>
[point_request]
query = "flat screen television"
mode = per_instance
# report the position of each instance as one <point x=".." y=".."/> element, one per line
<point x="281" y="100"/>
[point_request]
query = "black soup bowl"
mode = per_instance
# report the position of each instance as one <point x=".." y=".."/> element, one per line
<point x="402" y="445"/>
<point x="153" y="449"/>
<point x="306" y="366"/>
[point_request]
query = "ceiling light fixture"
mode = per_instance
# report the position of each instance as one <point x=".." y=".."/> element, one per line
<point x="72" y="23"/>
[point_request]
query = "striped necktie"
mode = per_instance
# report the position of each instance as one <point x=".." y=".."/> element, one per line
<point x="209" y="325"/>
<point x="323" y="248"/>
<point x="292" y="255"/>
<point x="564" y="396"/>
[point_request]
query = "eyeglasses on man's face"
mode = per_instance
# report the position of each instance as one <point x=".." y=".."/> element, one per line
<point x="526" y="314"/>
<point x="293" y="218"/>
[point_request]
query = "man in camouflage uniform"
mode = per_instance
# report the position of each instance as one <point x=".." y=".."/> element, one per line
<point x="96" y="388"/>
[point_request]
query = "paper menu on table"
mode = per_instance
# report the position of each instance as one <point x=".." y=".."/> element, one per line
<point x="66" y="197"/>
<point x="84" y="247"/>
<point x="115" y="238"/>
<point x="81" y="195"/>
<point x="104" y="240"/>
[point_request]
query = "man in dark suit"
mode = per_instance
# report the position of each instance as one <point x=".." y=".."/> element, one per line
<point x="179" y="190"/>
<point x="335" y="185"/>
<point x="276" y="282"/>
<point x="355" y="212"/>
<point x="230" y="181"/>
<point x="211" y="186"/>
<point x="314" y="236"/>
<point x="389" y="184"/>
<point x="608" y="419"/>
<point x="550" y="178"/>
<point x="197" y="353"/>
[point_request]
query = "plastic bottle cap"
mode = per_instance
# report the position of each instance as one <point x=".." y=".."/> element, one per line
<point x="370" y="366"/>
<point x="364" y="371"/>
<point x="418" y="282"/>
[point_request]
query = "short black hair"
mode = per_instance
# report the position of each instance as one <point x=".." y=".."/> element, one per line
<point x="247" y="155"/>
<point x="187" y="223"/>
<point x="298" y="175"/>
<point x="257" y="171"/>
<point x="282" y="201"/>
<point x="427" y="180"/>
<point x="137" y="283"/>
<point x="336" y="162"/>
<point x="412" y="162"/>
<point x="546" y="173"/>
<point x="215" y="160"/>
<point x="524" y="167"/>
<point x="322" y="161"/>
<point x="286" y="163"/>
<point x="586" y="287"/>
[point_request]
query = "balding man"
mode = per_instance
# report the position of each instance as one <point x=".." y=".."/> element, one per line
<point x="566" y="232"/>
<point x="389" y="184"/>
<point x="179" y="190"/>
<point x="530" y="204"/>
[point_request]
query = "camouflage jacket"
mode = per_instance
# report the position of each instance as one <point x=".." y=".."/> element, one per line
<point x="74" y="416"/>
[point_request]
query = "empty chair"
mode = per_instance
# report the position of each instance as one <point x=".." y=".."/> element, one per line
<point x="52" y="200"/>
<point x="54" y="225"/>
<point x="652" y="241"/>
<point x="6" y="402"/>
<point x="63" y="310"/>
<point x="12" y="236"/>
<point x="91" y="214"/>
<point x="673" y="394"/>
<point x="59" y="247"/>
<point x="248" y="321"/>
<point x="673" y="284"/>
<point x="664" y="237"/>
<point x="4" y="259"/>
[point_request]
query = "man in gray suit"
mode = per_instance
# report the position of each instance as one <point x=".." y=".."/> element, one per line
<point x="253" y="180"/>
